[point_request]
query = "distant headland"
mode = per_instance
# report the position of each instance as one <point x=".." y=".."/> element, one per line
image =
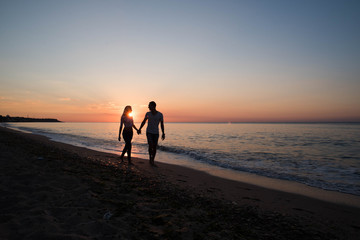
<point x="8" y="118"/>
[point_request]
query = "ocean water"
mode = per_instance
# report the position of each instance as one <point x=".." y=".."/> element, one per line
<point x="325" y="156"/>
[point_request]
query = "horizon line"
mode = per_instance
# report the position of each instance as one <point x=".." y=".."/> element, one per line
<point x="220" y="122"/>
<point x="227" y="122"/>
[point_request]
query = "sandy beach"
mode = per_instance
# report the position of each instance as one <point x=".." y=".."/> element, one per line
<point x="51" y="190"/>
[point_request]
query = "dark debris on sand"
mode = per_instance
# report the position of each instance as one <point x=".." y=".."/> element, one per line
<point x="52" y="193"/>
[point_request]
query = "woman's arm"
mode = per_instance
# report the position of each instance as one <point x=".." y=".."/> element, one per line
<point x="121" y="126"/>
<point x="135" y="127"/>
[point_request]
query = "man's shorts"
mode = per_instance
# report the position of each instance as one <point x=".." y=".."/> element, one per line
<point x="152" y="138"/>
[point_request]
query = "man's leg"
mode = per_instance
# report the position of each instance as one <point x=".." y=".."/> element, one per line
<point x="151" y="153"/>
<point x="152" y="141"/>
<point x="154" y="146"/>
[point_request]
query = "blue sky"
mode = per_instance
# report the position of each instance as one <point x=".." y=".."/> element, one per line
<point x="200" y="60"/>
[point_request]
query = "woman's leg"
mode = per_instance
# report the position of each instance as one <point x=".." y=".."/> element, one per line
<point x="129" y="151"/>
<point x="123" y="152"/>
<point x="127" y="135"/>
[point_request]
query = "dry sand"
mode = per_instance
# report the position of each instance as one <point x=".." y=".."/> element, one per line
<point x="51" y="190"/>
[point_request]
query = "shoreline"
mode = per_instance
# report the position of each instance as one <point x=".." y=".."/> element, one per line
<point x="273" y="183"/>
<point x="291" y="187"/>
<point x="281" y="185"/>
<point x="287" y="185"/>
<point x="314" y="215"/>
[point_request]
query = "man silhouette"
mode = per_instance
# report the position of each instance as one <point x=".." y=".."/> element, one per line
<point x="154" y="117"/>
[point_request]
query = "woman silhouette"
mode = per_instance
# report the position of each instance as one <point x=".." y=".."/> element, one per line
<point x="128" y="122"/>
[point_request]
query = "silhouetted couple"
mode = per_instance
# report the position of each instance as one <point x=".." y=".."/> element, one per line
<point x="153" y="117"/>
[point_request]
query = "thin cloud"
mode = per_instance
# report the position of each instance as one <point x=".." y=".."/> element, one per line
<point x="65" y="99"/>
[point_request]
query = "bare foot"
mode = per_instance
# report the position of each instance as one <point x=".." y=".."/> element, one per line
<point x="152" y="163"/>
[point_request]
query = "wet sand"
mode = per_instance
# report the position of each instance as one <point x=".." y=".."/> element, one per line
<point x="51" y="190"/>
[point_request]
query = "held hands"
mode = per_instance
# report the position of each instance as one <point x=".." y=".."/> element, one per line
<point x="138" y="131"/>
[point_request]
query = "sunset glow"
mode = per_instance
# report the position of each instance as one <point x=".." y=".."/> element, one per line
<point x="202" y="61"/>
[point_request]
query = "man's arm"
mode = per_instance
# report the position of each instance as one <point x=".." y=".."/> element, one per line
<point x="162" y="129"/>
<point x="142" y="124"/>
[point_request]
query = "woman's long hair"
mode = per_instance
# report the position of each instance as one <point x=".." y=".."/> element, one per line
<point x="127" y="110"/>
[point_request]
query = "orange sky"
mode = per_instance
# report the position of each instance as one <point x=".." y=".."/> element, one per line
<point x="185" y="111"/>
